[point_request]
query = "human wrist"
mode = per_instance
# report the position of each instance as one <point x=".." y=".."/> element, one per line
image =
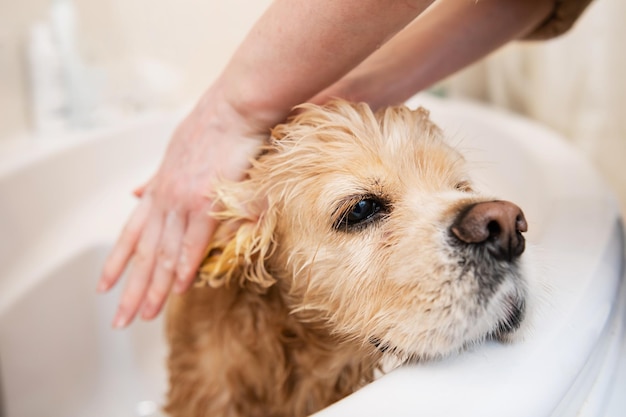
<point x="220" y="112"/>
<point x="249" y="102"/>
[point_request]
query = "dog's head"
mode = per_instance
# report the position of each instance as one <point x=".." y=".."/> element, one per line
<point x="369" y="223"/>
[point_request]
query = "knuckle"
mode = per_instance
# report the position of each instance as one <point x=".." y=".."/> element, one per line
<point x="130" y="299"/>
<point x="176" y="194"/>
<point x="198" y="201"/>
<point x="167" y="264"/>
<point x="187" y="246"/>
<point x="166" y="256"/>
<point x="143" y="254"/>
<point x="156" y="296"/>
<point x="167" y="245"/>
<point x="158" y="293"/>
<point x="174" y="189"/>
<point x="127" y="237"/>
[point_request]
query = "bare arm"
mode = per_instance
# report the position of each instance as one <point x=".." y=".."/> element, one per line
<point x="447" y="37"/>
<point x="298" y="48"/>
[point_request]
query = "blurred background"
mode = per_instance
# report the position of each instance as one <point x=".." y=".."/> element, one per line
<point x="85" y="64"/>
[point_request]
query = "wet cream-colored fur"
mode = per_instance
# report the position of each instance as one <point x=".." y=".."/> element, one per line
<point x="297" y="304"/>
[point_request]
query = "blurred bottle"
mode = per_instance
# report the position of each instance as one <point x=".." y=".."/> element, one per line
<point x="47" y="89"/>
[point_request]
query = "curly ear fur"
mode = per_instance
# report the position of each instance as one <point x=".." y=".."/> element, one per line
<point x="243" y="241"/>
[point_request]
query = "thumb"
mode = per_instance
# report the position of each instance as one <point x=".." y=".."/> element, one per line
<point x="139" y="191"/>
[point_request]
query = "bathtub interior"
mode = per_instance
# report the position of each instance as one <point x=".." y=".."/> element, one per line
<point x="61" y="358"/>
<point x="63" y="205"/>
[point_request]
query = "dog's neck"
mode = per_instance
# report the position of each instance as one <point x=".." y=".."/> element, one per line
<point x="256" y="357"/>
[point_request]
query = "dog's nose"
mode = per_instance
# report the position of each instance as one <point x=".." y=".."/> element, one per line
<point x="498" y="224"/>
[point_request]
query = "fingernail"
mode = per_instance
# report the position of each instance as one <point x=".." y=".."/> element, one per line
<point x="120" y="321"/>
<point x="148" y="311"/>
<point x="102" y="287"/>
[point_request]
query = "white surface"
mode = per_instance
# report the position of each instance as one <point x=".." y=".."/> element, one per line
<point x="63" y="203"/>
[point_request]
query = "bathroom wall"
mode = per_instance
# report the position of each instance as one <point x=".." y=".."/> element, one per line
<point x="145" y="54"/>
<point x="574" y="84"/>
<point x="142" y="53"/>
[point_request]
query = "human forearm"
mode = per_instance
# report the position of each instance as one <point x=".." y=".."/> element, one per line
<point x="445" y="38"/>
<point x="299" y="47"/>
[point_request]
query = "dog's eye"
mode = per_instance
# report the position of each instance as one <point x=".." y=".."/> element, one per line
<point x="356" y="212"/>
<point x="360" y="213"/>
<point x="362" y="210"/>
<point x="463" y="186"/>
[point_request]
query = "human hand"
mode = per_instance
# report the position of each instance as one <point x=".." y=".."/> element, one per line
<point x="169" y="230"/>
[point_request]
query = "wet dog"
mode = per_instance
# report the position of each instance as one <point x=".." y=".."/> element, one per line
<point x="354" y="238"/>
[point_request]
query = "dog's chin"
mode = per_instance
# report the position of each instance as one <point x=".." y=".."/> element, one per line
<point x="507" y="328"/>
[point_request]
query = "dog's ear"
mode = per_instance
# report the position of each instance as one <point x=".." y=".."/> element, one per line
<point x="243" y="242"/>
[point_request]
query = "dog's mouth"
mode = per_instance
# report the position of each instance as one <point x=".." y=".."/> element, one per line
<point x="515" y="312"/>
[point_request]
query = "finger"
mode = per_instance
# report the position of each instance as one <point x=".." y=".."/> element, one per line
<point x="164" y="269"/>
<point x="139" y="191"/>
<point x="125" y="246"/>
<point x="140" y="273"/>
<point x="199" y="230"/>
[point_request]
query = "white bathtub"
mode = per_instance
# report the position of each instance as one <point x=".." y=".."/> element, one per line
<point x="62" y="203"/>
